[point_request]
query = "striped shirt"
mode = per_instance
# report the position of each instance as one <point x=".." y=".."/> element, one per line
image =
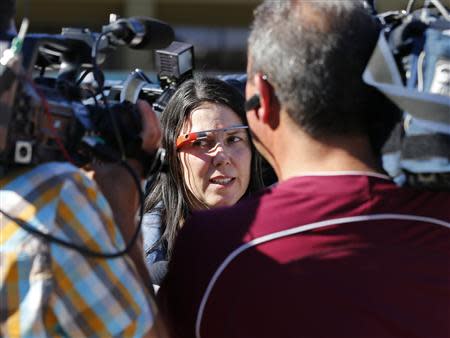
<point x="50" y="290"/>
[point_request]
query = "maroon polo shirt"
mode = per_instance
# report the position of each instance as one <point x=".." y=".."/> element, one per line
<point x="348" y="255"/>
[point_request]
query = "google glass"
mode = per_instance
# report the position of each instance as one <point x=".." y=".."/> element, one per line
<point x="201" y="135"/>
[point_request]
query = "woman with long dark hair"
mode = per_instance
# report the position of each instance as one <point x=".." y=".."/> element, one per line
<point x="211" y="160"/>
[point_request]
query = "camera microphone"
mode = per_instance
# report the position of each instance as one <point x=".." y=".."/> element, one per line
<point x="140" y="33"/>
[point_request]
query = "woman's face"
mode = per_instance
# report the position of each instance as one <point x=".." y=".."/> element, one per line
<point x="216" y="169"/>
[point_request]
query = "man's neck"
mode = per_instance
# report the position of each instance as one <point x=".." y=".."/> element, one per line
<point x="298" y="153"/>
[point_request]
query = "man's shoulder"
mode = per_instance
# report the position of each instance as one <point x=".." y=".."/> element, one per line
<point x="223" y="229"/>
<point x="52" y="178"/>
<point x="29" y="181"/>
<point x="225" y="218"/>
<point x="56" y="168"/>
<point x="305" y="200"/>
<point x="43" y="171"/>
<point x="60" y="196"/>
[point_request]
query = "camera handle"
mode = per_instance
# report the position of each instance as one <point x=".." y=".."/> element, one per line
<point x="133" y="85"/>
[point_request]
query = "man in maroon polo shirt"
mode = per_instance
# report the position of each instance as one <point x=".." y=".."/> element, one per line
<point x="335" y="249"/>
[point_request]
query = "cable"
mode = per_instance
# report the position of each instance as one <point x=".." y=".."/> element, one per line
<point x="96" y="72"/>
<point x="83" y="250"/>
<point x="115" y="127"/>
<point x="83" y="76"/>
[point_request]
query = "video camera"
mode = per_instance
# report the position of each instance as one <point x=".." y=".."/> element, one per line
<point x="68" y="118"/>
<point x="411" y="66"/>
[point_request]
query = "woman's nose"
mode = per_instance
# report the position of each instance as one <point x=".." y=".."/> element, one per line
<point x="220" y="155"/>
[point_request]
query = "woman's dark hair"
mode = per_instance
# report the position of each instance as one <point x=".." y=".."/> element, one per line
<point x="168" y="193"/>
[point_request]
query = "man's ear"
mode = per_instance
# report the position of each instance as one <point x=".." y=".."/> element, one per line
<point x="268" y="111"/>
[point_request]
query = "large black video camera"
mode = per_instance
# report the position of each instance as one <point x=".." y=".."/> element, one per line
<point x="68" y="118"/>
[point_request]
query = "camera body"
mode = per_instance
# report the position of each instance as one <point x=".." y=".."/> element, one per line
<point x="174" y="64"/>
<point x="411" y="66"/>
<point x="38" y="117"/>
<point x="66" y="118"/>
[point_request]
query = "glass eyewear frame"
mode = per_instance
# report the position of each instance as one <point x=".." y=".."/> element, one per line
<point x="201" y="135"/>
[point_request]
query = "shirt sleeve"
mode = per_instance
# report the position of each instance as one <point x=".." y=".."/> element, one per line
<point x="94" y="296"/>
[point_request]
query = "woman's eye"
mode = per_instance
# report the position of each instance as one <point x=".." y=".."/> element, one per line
<point x="234" y="139"/>
<point x="200" y="143"/>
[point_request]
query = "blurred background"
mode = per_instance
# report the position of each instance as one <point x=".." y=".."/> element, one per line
<point x="218" y="29"/>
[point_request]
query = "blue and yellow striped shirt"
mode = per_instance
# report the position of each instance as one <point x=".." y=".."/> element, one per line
<point x="49" y="290"/>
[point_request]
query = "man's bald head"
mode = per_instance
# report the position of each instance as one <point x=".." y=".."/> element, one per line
<point x="313" y="54"/>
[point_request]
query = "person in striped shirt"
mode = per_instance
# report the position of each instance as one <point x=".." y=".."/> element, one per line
<point x="48" y="289"/>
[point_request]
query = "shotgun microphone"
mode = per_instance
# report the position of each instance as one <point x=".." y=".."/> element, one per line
<point x="140" y="33"/>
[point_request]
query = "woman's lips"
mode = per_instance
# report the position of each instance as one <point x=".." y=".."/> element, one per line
<point x="222" y="180"/>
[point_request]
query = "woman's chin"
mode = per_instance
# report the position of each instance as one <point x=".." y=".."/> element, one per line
<point x="221" y="202"/>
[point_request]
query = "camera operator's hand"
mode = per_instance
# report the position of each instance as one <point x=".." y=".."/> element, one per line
<point x="151" y="128"/>
<point x="150" y="140"/>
